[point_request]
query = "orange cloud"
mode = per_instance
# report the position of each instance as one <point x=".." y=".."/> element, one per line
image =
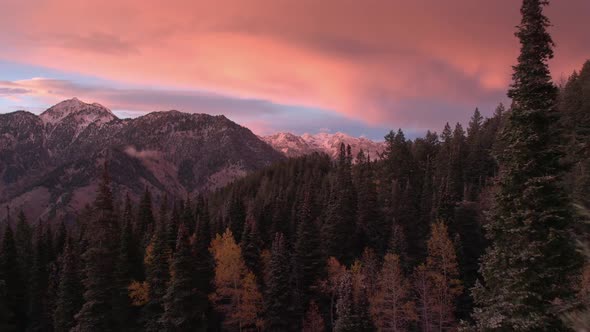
<point x="365" y="60"/>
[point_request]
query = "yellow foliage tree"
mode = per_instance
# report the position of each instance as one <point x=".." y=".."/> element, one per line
<point x="392" y="306"/>
<point x="139" y="293"/>
<point x="438" y="282"/>
<point x="236" y="294"/>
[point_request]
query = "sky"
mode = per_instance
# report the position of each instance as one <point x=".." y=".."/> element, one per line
<point x="359" y="67"/>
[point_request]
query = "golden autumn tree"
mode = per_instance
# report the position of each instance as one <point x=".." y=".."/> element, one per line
<point x="313" y="322"/>
<point x="437" y="282"/>
<point x="331" y="284"/>
<point x="236" y="294"/>
<point x="392" y="306"/>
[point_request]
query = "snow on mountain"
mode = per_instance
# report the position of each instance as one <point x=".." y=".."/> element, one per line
<point x="53" y="161"/>
<point x="83" y="112"/>
<point x="293" y="146"/>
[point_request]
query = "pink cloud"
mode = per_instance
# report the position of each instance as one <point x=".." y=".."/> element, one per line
<point x="365" y="60"/>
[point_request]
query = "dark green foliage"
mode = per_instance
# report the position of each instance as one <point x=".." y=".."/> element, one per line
<point x="278" y="297"/>
<point x="14" y="295"/>
<point x="236" y="214"/>
<point x="308" y="260"/>
<point x="180" y="305"/>
<point x="99" y="260"/>
<point x="145" y="220"/>
<point x="39" y="282"/>
<point x="252" y="246"/>
<point x="575" y="107"/>
<point x="340" y="222"/>
<point x="69" y="292"/>
<point x="157" y="276"/>
<point x="126" y="270"/>
<point x="172" y="227"/>
<point x="371" y="225"/>
<point x="203" y="262"/>
<point x="532" y="258"/>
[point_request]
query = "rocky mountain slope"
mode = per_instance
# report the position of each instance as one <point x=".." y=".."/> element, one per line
<point x="52" y="161"/>
<point x="293" y="146"/>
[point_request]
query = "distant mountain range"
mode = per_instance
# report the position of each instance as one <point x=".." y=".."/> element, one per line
<point x="294" y="146"/>
<point x="52" y="162"/>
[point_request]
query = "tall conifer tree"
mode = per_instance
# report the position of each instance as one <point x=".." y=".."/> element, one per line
<point x="528" y="267"/>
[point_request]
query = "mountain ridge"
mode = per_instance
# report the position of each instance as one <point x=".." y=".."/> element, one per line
<point x="54" y="159"/>
<point x="292" y="145"/>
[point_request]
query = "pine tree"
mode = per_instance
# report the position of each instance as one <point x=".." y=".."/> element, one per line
<point x="372" y="226"/>
<point x="339" y="226"/>
<point x="145" y="219"/>
<point x="526" y="270"/>
<point x="69" y="293"/>
<point x="172" y="227"/>
<point x="157" y="276"/>
<point x="99" y="258"/>
<point x="23" y="237"/>
<point x="179" y="302"/>
<point x="278" y="299"/>
<point x="392" y="306"/>
<point x="237" y="216"/>
<point x="203" y="263"/>
<point x="251" y="245"/>
<point x="12" y="280"/>
<point x="308" y="260"/>
<point x="313" y="322"/>
<point x="126" y="269"/>
<point x="60" y="239"/>
<point x="475" y="171"/>
<point x="39" y="282"/>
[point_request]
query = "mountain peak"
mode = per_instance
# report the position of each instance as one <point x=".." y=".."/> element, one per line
<point x="292" y="145"/>
<point x="87" y="113"/>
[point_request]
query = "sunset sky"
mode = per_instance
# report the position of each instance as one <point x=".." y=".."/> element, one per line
<point x="361" y="67"/>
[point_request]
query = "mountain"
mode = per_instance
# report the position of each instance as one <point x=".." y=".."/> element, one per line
<point x="293" y="146"/>
<point x="52" y="162"/>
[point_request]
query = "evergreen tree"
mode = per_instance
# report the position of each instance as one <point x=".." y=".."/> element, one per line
<point x="251" y="245"/>
<point x="126" y="269"/>
<point x="237" y="216"/>
<point x="69" y="293"/>
<point x="203" y="262"/>
<point x="60" y="239"/>
<point x="308" y="259"/>
<point x="172" y="227"/>
<point x="39" y="282"/>
<point x="157" y="276"/>
<point x="12" y="282"/>
<point x="23" y="237"/>
<point x="179" y="302"/>
<point x="339" y="226"/>
<point x="372" y="226"/>
<point x="145" y="219"/>
<point x="278" y="299"/>
<point x="475" y="171"/>
<point x="99" y="258"/>
<point x="526" y="270"/>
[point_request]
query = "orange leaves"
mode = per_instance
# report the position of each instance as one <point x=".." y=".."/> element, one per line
<point x="139" y="293"/>
<point x="392" y="306"/>
<point x="236" y="292"/>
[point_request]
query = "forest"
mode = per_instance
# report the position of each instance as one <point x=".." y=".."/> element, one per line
<point x="475" y="228"/>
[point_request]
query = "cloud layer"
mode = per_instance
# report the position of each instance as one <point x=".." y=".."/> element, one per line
<point x="404" y="63"/>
